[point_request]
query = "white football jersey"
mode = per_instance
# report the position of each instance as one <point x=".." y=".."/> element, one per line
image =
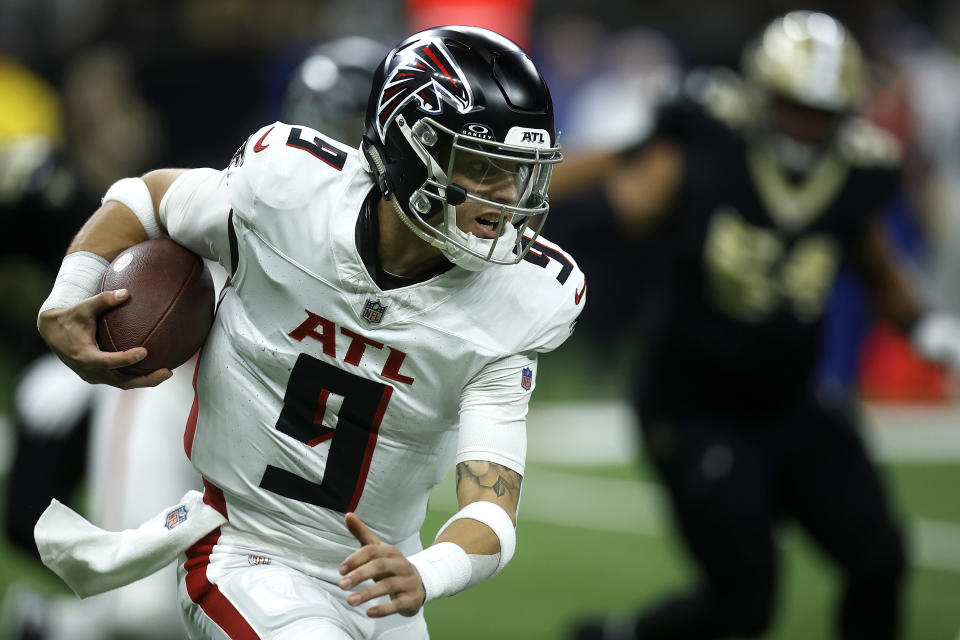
<point x="318" y="392"/>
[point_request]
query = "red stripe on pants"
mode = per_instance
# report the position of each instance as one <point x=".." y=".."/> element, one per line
<point x="208" y="595"/>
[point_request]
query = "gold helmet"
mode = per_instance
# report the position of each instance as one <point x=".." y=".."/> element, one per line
<point x="809" y="58"/>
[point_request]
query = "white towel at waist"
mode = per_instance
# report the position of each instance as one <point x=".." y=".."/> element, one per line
<point x="91" y="560"/>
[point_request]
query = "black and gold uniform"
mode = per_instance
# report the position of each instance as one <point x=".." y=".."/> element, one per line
<point x="751" y="194"/>
<point x="730" y="416"/>
<point x="748" y="254"/>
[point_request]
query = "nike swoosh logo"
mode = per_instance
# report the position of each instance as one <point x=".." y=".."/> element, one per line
<point x="257" y="148"/>
<point x="578" y="295"/>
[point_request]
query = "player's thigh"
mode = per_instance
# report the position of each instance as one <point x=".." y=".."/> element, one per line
<point x="311" y="629"/>
<point x="328" y="627"/>
<point x="394" y="627"/>
<point x="397" y="627"/>
<point x="718" y="478"/>
<point x="835" y="492"/>
<point x="275" y="602"/>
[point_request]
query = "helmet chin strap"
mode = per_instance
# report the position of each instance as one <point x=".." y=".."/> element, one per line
<point x="456" y="255"/>
<point x="380" y="171"/>
<point x="414" y="227"/>
<point x="469" y="261"/>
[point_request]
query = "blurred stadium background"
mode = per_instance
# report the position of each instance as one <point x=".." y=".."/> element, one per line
<point x="94" y="90"/>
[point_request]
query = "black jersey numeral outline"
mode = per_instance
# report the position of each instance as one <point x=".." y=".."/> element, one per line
<point x="541" y="255"/>
<point x="353" y="441"/>
<point x="319" y="148"/>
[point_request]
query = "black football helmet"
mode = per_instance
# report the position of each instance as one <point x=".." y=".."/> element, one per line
<point x="328" y="90"/>
<point x="453" y="112"/>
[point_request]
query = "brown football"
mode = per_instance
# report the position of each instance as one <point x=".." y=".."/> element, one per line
<point x="170" y="308"/>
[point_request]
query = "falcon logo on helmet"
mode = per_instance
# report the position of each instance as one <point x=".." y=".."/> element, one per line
<point x="428" y="74"/>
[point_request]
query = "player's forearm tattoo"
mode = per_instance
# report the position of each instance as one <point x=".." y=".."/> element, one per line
<point x="490" y="475"/>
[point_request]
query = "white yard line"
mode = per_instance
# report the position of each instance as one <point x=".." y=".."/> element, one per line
<point x="591" y="433"/>
<point x="634" y="507"/>
<point x="935" y="544"/>
<point x="7" y="439"/>
<point x="582" y="433"/>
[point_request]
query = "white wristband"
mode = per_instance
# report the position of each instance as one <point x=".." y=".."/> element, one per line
<point x="79" y="278"/>
<point x="135" y="195"/>
<point x="444" y="569"/>
<point x="497" y="519"/>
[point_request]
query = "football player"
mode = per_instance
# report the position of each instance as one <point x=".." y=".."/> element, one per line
<point x="328" y="90"/>
<point x="382" y="322"/>
<point x="135" y="465"/>
<point x="757" y="188"/>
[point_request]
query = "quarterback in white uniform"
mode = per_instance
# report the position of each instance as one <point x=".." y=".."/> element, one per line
<point x="382" y="321"/>
<point x="135" y="460"/>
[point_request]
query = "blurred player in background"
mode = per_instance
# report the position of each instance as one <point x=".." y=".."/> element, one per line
<point x="135" y="455"/>
<point x="39" y="193"/>
<point x="328" y="90"/>
<point x="757" y="189"/>
<point x="383" y="319"/>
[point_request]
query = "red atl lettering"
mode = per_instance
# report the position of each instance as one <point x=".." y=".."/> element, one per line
<point x="356" y="350"/>
<point x="307" y="329"/>
<point x="358" y="344"/>
<point x="391" y="369"/>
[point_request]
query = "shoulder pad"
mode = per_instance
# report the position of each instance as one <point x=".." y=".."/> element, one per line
<point x="279" y="167"/>
<point x="863" y="144"/>
<point x="555" y="294"/>
<point x="720" y="93"/>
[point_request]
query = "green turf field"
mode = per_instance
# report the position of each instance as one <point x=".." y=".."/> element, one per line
<point x="594" y="539"/>
<point x="565" y="570"/>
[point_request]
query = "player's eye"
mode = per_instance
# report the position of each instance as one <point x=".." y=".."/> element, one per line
<point x="472" y="167"/>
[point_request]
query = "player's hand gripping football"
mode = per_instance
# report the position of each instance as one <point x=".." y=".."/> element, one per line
<point x="392" y="573"/>
<point x="71" y="334"/>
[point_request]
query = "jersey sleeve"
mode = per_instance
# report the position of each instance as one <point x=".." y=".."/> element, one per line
<point x="196" y="211"/>
<point x="873" y="157"/>
<point x="882" y="187"/>
<point x="277" y="170"/>
<point x="493" y="412"/>
<point x="559" y="297"/>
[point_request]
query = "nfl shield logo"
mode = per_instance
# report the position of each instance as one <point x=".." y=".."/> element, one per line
<point x="176" y="516"/>
<point x="526" y="378"/>
<point x="373" y="312"/>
